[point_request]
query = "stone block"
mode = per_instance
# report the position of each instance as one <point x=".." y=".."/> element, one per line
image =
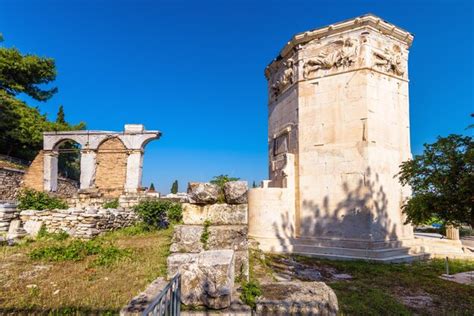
<point x="297" y="298"/>
<point x="32" y="227"/>
<point x="209" y="280"/>
<point x="187" y="238"/>
<point x="235" y="192"/>
<point x="176" y="260"/>
<point x="203" y="192"/>
<point x="217" y="214"/>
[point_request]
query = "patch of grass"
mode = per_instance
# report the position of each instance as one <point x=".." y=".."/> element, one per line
<point x="205" y="234"/>
<point x="76" y="250"/>
<point x="250" y="291"/>
<point x="359" y="298"/>
<point x="98" y="284"/>
<point x="378" y="288"/>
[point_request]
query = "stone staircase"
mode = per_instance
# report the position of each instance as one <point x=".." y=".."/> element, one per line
<point x="387" y="255"/>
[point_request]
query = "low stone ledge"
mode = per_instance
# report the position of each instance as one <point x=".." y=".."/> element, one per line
<point x="297" y="298"/>
<point x="217" y="214"/>
<point x="141" y="302"/>
<point x="81" y="223"/>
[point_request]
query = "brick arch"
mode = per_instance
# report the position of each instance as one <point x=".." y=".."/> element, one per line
<point x="111" y="167"/>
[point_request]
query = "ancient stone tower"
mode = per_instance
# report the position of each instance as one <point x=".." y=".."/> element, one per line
<point x="338" y="129"/>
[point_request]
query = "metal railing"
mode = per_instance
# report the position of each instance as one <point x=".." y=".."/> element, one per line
<point x="168" y="302"/>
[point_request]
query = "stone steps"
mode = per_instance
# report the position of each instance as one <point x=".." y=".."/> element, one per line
<point x="396" y="254"/>
<point x="392" y="259"/>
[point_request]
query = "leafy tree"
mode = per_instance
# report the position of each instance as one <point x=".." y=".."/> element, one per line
<point x="60" y="117"/>
<point x="254" y="185"/>
<point x="222" y="179"/>
<point x="152" y="187"/>
<point x="174" y="187"/>
<point x="442" y="181"/>
<point x="21" y="126"/>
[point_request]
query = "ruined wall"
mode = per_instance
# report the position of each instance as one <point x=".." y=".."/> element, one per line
<point x="34" y="175"/>
<point x="10" y="182"/>
<point x="13" y="180"/>
<point x="81" y="222"/>
<point x="111" y="167"/>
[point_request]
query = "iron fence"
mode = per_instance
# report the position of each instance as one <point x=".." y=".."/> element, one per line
<point x="168" y="302"/>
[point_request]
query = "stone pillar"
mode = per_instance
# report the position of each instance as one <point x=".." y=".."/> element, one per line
<point x="88" y="168"/>
<point x="50" y="171"/>
<point x="134" y="170"/>
<point x="452" y="233"/>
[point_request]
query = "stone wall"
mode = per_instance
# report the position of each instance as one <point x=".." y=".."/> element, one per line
<point x="8" y="212"/>
<point x="81" y="222"/>
<point x="10" y="183"/>
<point x="33" y="178"/>
<point x="13" y="180"/>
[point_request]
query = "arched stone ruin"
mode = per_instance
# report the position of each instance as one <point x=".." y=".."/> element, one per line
<point x="111" y="162"/>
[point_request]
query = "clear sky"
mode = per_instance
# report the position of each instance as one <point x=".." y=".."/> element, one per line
<point x="194" y="70"/>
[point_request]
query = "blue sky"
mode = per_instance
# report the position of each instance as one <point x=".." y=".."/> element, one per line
<point x="194" y="70"/>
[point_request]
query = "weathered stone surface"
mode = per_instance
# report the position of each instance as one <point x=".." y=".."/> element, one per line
<point x="203" y="192"/>
<point x="176" y="260"/>
<point x="217" y="214"/>
<point x="81" y="223"/>
<point x="140" y="302"/>
<point x="210" y="280"/>
<point x="297" y="298"/>
<point x="235" y="192"/>
<point x="228" y="237"/>
<point x="32" y="227"/>
<point x="187" y="238"/>
<point x="8" y="212"/>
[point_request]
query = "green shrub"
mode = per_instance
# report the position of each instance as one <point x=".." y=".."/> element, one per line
<point x="111" y="204"/>
<point x="34" y="200"/>
<point x="205" y="234"/>
<point x="250" y="291"/>
<point x="43" y="234"/>
<point x="158" y="214"/>
<point x="220" y="181"/>
<point x="77" y="250"/>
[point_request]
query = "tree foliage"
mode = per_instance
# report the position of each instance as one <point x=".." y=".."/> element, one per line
<point x="21" y="126"/>
<point x="222" y="179"/>
<point x="174" y="187"/>
<point x="442" y="181"/>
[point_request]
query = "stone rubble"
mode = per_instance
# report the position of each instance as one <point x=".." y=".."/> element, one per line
<point x="297" y="298"/>
<point x="8" y="213"/>
<point x="235" y="192"/>
<point x="203" y="192"/>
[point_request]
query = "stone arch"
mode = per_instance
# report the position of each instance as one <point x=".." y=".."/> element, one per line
<point x="111" y="171"/>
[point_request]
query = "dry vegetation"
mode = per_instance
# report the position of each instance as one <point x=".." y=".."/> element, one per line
<point x="81" y="286"/>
